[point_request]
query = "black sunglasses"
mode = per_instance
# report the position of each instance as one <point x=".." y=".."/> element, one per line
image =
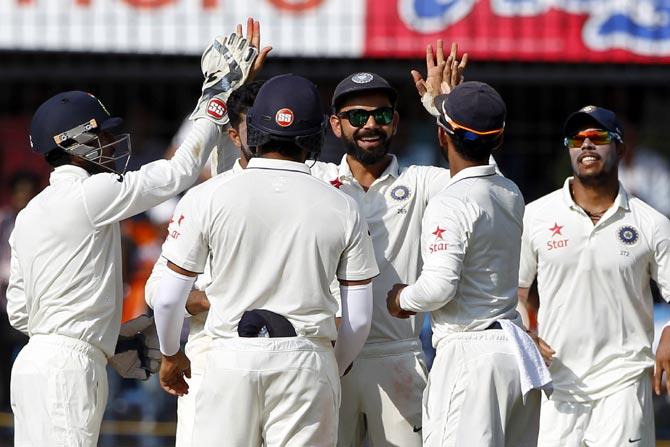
<point x="358" y="117"/>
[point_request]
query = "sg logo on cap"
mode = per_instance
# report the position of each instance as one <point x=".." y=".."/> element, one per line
<point x="361" y="78"/>
<point x="284" y="117"/>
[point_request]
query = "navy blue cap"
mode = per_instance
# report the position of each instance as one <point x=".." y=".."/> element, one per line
<point x="474" y="105"/>
<point x="362" y="83"/>
<point x="287" y="106"/>
<point x="64" y="112"/>
<point x="590" y="115"/>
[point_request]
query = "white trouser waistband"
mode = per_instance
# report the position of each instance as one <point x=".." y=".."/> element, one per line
<point x="487" y="335"/>
<point x="273" y="344"/>
<point x="390" y="348"/>
<point x="62" y="341"/>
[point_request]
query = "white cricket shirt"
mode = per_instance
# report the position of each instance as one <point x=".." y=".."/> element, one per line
<point x="66" y="246"/>
<point x="393" y="207"/>
<point x="593" y="281"/>
<point x="275" y="236"/>
<point x="470" y="244"/>
<point x="196" y="322"/>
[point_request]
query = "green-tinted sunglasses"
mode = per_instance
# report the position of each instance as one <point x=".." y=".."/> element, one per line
<point x="358" y="117"/>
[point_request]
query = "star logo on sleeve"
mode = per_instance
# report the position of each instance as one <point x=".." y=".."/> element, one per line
<point x="438" y="233"/>
<point x="336" y="182"/>
<point x="556" y="230"/>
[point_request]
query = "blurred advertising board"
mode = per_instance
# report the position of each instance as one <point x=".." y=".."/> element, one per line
<point x="622" y="31"/>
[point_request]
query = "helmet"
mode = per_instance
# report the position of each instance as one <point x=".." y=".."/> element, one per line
<point x="72" y="121"/>
<point x="287" y="108"/>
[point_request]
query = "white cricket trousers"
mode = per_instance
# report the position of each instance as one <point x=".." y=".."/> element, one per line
<point x="269" y="392"/>
<point x="381" y="396"/>
<point x="58" y="393"/>
<point x="625" y="418"/>
<point x="473" y="396"/>
<point x="196" y="351"/>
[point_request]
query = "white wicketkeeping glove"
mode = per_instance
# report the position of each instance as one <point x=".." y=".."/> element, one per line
<point x="138" y="353"/>
<point x="226" y="64"/>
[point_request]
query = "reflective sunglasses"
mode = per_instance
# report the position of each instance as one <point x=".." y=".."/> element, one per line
<point x="358" y="117"/>
<point x="598" y="137"/>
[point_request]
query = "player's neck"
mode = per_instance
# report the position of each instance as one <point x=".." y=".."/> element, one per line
<point x="365" y="175"/>
<point x="594" y="199"/>
<point x="458" y="163"/>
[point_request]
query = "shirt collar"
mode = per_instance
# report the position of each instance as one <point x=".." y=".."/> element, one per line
<point x="67" y="171"/>
<point x="237" y="167"/>
<point x="393" y="169"/>
<point x="474" y="171"/>
<point x="621" y="200"/>
<point x="278" y="165"/>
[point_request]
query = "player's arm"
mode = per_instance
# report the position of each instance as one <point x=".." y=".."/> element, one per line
<point x="445" y="236"/>
<point x="17" y="305"/>
<point x="355" y="271"/>
<point x="226" y="64"/>
<point x="186" y="249"/>
<point x="660" y="272"/>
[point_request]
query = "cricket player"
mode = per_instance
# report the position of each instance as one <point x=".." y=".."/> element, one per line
<point x="197" y="303"/>
<point x="65" y="287"/>
<point x="477" y="392"/>
<point x="593" y="248"/>
<point x="274" y="236"/>
<point x="381" y="395"/>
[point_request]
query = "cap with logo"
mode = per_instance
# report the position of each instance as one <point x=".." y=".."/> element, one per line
<point x="473" y="106"/>
<point x="359" y="83"/>
<point x="65" y="116"/>
<point x="287" y="108"/>
<point x="592" y="115"/>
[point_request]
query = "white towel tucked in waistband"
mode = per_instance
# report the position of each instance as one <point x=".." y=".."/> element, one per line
<point x="533" y="371"/>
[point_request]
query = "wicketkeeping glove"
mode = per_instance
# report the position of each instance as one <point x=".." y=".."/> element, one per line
<point x="226" y="64"/>
<point x="137" y="353"/>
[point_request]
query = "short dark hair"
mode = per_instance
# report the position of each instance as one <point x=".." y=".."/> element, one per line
<point x="478" y="150"/>
<point x="241" y="100"/>
<point x="286" y="148"/>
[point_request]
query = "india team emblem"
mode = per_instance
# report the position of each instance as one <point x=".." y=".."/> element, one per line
<point x="628" y="234"/>
<point x="361" y="78"/>
<point x="400" y="193"/>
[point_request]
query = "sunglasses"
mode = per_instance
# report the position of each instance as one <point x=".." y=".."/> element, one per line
<point x="466" y="133"/>
<point x="358" y="117"/>
<point x="598" y="137"/>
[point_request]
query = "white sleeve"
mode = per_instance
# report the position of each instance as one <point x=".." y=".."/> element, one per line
<point x="660" y="264"/>
<point x="224" y="155"/>
<point x="173" y="291"/>
<point x="528" y="260"/>
<point x="445" y="237"/>
<point x="17" y="305"/>
<point x="357" y="262"/>
<point x="186" y="244"/>
<point x="355" y="325"/>
<point x="109" y="200"/>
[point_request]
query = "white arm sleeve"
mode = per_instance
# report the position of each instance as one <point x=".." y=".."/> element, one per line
<point x="173" y="291"/>
<point x="356" y="321"/>
<point x="17" y="304"/>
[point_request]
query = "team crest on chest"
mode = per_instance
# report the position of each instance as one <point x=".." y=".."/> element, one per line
<point x="628" y="235"/>
<point x="400" y="193"/>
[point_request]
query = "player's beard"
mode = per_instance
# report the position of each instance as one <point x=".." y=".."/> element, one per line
<point x="365" y="156"/>
<point x="609" y="170"/>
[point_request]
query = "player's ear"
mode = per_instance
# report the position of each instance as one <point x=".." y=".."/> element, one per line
<point x="336" y="126"/>
<point x="442" y="137"/>
<point x="396" y="120"/>
<point x="234" y="136"/>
